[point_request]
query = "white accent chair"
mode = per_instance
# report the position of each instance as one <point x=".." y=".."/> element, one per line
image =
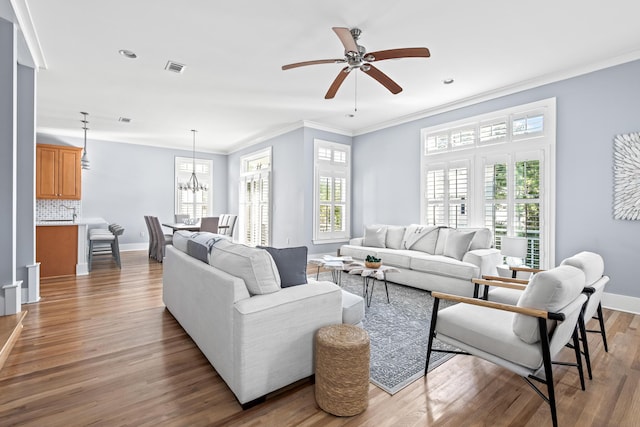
<point x="592" y="265"/>
<point x="523" y="338"/>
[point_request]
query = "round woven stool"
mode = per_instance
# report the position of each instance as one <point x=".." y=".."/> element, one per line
<point x="342" y="369"/>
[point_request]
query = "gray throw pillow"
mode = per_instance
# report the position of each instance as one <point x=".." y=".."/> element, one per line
<point x="291" y="263"/>
<point x="458" y="243"/>
<point x="375" y="236"/>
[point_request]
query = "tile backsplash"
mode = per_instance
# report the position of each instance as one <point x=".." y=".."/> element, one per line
<point x="54" y="209"/>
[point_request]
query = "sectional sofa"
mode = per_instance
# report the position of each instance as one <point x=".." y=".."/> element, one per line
<point x="432" y="258"/>
<point x="231" y="300"/>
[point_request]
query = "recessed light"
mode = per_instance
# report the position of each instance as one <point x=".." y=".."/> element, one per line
<point x="127" y="54"/>
<point x="447" y="81"/>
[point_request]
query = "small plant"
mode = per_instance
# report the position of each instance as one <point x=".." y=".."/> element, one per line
<point x="371" y="258"/>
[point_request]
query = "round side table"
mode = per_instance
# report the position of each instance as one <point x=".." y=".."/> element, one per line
<point x="342" y="369"/>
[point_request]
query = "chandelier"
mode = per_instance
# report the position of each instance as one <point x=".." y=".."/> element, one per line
<point x="193" y="184"/>
<point x="84" y="161"/>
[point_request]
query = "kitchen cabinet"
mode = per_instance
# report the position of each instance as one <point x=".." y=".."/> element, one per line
<point x="58" y="173"/>
<point x="57" y="250"/>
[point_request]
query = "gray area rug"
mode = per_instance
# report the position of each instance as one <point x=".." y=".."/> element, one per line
<point x="398" y="332"/>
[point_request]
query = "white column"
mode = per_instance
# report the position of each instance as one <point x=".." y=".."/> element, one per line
<point x="9" y="287"/>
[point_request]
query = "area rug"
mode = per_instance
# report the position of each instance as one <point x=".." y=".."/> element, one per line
<point x="398" y="332"/>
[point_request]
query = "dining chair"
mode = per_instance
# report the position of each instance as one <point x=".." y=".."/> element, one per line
<point x="179" y="218"/>
<point x="523" y="338"/>
<point x="153" y="242"/>
<point x="162" y="240"/>
<point x="226" y="224"/>
<point x="209" y="223"/>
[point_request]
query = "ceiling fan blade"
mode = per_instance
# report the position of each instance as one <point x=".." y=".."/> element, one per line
<point x="408" y="52"/>
<point x="383" y="79"/>
<point x="346" y="38"/>
<point x="333" y="89"/>
<point x="317" y="61"/>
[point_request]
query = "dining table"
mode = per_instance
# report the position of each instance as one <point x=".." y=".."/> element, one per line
<point x="180" y="226"/>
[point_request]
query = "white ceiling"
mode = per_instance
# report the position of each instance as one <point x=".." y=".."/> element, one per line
<point x="234" y="91"/>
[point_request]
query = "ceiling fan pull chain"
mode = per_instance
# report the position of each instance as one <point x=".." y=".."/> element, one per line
<point x="355" y="98"/>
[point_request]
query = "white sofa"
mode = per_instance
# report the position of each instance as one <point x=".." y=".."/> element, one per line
<point x="431" y="258"/>
<point x="256" y="343"/>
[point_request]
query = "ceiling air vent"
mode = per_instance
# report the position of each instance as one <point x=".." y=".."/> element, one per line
<point x="124" y="120"/>
<point x="174" y="67"/>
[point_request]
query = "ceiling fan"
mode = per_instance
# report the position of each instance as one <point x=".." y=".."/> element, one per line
<point x="357" y="57"/>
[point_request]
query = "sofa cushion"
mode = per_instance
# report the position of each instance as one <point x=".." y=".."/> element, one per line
<point x="255" y="266"/>
<point x="395" y="236"/>
<point x="375" y="236"/>
<point x="291" y="263"/>
<point x="444" y="266"/>
<point x="457" y="243"/>
<point x="352" y="308"/>
<point x="395" y="257"/>
<point x="420" y="238"/>
<point x="550" y="290"/>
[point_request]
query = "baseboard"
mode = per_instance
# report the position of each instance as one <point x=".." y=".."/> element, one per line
<point x="621" y="303"/>
<point x="127" y="247"/>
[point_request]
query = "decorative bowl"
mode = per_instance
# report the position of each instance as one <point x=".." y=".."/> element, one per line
<point x="372" y="265"/>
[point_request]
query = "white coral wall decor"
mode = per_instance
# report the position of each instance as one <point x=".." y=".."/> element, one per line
<point x="626" y="176"/>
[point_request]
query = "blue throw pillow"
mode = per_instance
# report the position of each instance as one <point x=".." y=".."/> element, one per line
<point x="291" y="263"/>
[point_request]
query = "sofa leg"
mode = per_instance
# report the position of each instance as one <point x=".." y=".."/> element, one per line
<point x="253" y="403"/>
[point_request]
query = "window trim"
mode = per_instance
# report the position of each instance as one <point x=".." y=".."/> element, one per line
<point x="543" y="142"/>
<point x="251" y="174"/>
<point x="334" y="169"/>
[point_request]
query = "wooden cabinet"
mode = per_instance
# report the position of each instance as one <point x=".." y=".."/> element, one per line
<point x="57" y="250"/>
<point x="58" y="173"/>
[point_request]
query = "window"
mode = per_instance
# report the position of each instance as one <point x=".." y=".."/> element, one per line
<point x="496" y="171"/>
<point x="195" y="204"/>
<point x="255" y="198"/>
<point x="331" y="189"/>
<point x="512" y="203"/>
<point x="447" y="199"/>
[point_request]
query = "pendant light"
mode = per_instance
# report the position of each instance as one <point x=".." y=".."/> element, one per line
<point x="84" y="161"/>
<point x="193" y="184"/>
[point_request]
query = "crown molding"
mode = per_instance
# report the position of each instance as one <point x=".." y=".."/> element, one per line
<point x="28" y="29"/>
<point x="505" y="90"/>
<point x="323" y="127"/>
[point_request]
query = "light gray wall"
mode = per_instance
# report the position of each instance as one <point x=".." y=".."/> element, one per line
<point x="128" y="181"/>
<point x="591" y="110"/>
<point x="292" y="188"/>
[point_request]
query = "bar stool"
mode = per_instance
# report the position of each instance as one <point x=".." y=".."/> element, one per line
<point x="105" y="241"/>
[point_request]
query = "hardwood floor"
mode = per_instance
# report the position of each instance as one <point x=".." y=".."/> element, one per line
<point x="102" y="350"/>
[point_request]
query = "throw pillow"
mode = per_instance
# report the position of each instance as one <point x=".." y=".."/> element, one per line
<point x="443" y="233"/>
<point x="375" y="236"/>
<point x="395" y="236"/>
<point x="255" y="266"/>
<point x="458" y="243"/>
<point x="421" y="238"/>
<point x="291" y="263"/>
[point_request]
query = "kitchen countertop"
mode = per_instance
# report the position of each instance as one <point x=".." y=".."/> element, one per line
<point x="78" y="221"/>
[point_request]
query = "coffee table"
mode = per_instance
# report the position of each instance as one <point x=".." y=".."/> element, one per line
<point x="369" y="277"/>
<point x="333" y="263"/>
